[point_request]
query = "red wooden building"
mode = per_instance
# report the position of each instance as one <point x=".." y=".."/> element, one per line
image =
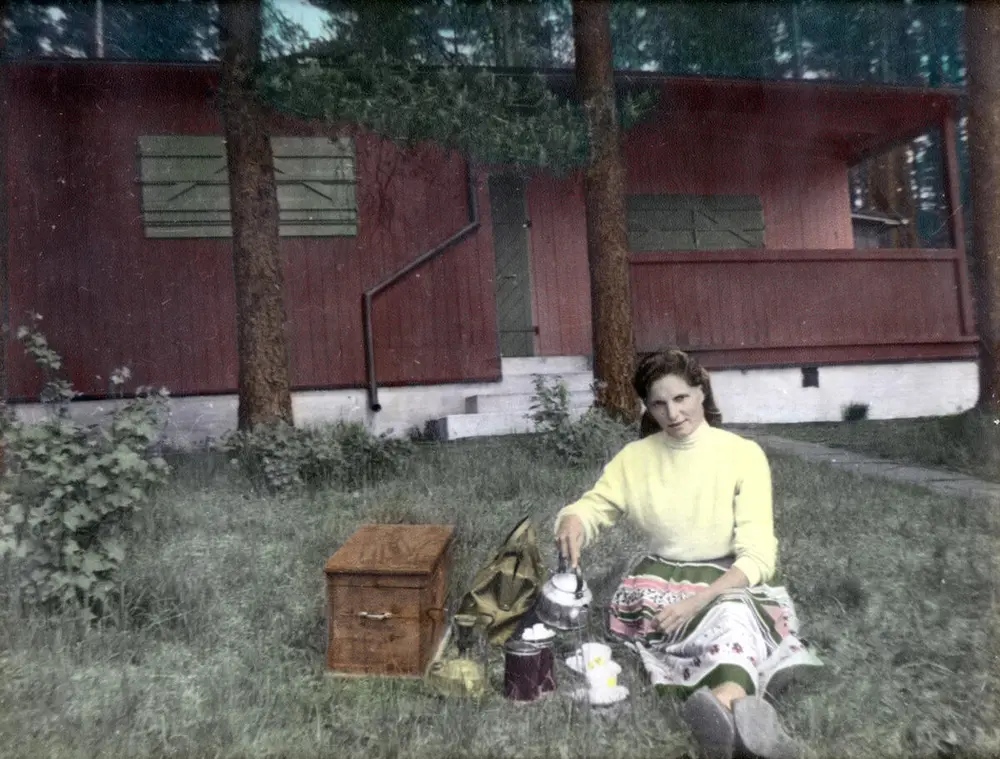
<point x="739" y="224"/>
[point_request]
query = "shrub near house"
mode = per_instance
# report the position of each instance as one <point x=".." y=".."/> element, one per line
<point x="72" y="488"/>
<point x="592" y="439"/>
<point x="281" y="458"/>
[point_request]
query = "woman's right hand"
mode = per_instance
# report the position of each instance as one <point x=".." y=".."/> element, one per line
<point x="569" y="538"/>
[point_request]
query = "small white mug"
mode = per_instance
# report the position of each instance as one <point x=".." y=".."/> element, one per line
<point x="604" y="676"/>
<point x="595" y="655"/>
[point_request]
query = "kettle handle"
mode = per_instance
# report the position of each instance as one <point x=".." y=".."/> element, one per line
<point x="576" y="570"/>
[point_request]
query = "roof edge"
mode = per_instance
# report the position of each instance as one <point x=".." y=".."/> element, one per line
<point x="565" y="76"/>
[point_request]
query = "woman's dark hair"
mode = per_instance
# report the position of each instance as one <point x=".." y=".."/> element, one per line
<point x="656" y="366"/>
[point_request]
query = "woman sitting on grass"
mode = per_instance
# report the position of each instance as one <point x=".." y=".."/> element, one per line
<point x="696" y="608"/>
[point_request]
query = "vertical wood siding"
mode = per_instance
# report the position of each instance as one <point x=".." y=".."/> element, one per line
<point x="560" y="276"/>
<point x="109" y="296"/>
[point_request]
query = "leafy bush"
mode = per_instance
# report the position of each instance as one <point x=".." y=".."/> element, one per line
<point x="550" y="404"/>
<point x="281" y="458"/>
<point x="71" y="488"/>
<point x="591" y="439"/>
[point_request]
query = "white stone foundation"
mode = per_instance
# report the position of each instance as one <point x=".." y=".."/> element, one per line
<point x="744" y="396"/>
<point x="193" y="419"/>
<point x="891" y="391"/>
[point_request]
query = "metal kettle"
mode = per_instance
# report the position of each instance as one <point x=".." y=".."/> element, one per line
<point x="564" y="601"/>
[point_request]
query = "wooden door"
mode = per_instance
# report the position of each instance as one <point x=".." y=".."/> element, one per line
<point x="508" y="203"/>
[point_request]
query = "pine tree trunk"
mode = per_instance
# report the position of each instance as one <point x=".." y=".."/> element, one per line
<point x="4" y="232"/>
<point x="503" y="34"/>
<point x="604" y="187"/>
<point x="983" y="61"/>
<point x="264" y="395"/>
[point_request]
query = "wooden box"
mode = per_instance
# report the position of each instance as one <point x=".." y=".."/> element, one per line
<point x="386" y="591"/>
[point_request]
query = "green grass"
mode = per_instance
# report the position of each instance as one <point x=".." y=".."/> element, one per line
<point x="220" y="652"/>
<point x="967" y="443"/>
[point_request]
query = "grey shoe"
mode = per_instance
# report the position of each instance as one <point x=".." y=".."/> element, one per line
<point x="759" y="732"/>
<point x="712" y="724"/>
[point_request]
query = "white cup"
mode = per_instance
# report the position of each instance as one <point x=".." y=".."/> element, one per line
<point x="603" y="677"/>
<point x="595" y="655"/>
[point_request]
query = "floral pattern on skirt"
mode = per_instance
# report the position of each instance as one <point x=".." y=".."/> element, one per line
<point x="748" y="635"/>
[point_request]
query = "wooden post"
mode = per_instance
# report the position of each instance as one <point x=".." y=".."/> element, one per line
<point x="956" y="220"/>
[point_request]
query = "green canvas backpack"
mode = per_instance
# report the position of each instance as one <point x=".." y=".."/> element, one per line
<point x="505" y="588"/>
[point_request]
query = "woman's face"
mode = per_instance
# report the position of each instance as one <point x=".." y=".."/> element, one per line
<point x="676" y="405"/>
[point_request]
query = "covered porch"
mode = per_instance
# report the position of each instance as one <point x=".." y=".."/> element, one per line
<point x="776" y="301"/>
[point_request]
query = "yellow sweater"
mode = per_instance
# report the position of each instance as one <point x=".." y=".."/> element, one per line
<point x="700" y="498"/>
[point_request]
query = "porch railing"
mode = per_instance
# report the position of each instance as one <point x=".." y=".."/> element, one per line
<point x="753" y="307"/>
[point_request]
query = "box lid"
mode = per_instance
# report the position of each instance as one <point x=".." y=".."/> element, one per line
<point x="400" y="549"/>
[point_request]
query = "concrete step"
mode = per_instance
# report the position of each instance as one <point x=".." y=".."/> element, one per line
<point x="485" y="404"/>
<point x="459" y="426"/>
<point x="544" y="364"/>
<point x="524" y="384"/>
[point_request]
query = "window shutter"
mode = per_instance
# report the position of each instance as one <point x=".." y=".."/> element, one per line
<point x="694" y="222"/>
<point x="185" y="186"/>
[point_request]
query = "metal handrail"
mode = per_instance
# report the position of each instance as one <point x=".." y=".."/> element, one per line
<point x="369" y="294"/>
